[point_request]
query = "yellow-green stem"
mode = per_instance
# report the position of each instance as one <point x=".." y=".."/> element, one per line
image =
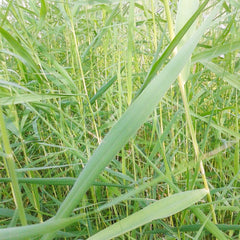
<point x="187" y="112"/>
<point x="81" y="72"/>
<point x="10" y="166"/>
<point x="130" y="51"/>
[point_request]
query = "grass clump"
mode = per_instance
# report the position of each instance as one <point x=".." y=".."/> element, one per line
<point x="99" y="141"/>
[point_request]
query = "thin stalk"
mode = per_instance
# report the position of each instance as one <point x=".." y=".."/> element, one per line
<point x="154" y="27"/>
<point x="76" y="44"/>
<point x="236" y="155"/>
<point x="130" y="51"/>
<point x="187" y="112"/>
<point x="10" y="166"/>
<point x="14" y="110"/>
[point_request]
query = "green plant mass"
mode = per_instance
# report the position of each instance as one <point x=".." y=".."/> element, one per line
<point x="119" y="119"/>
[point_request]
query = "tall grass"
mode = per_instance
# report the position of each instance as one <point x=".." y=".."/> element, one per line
<point x="98" y="140"/>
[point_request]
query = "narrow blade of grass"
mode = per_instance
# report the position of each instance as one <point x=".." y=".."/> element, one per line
<point x="22" y="233"/>
<point x="232" y="79"/>
<point x="160" y="209"/>
<point x="216" y="51"/>
<point x="60" y="181"/>
<point x="104" y="88"/>
<point x="26" y="98"/>
<point x="185" y="11"/>
<point x="194" y="228"/>
<point x="129" y="56"/>
<point x="10" y="168"/>
<point x="6" y="212"/>
<point x="19" y="49"/>
<point x="43" y="10"/>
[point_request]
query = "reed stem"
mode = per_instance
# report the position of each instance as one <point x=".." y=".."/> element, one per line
<point x="188" y="116"/>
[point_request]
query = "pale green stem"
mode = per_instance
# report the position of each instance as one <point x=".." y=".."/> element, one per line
<point x="154" y="27"/>
<point x="130" y="51"/>
<point x="10" y="167"/>
<point x="187" y="112"/>
<point x="81" y="71"/>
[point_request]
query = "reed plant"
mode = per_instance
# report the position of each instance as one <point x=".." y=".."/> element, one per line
<point x="119" y="119"/>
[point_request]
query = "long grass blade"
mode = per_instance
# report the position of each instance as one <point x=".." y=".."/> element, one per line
<point x="213" y="52"/>
<point x="30" y="231"/>
<point x="10" y="167"/>
<point x="27" y="98"/>
<point x="105" y="87"/>
<point x="160" y="209"/>
<point x="60" y="181"/>
<point x="19" y="49"/>
<point x="185" y="11"/>
<point x="232" y="79"/>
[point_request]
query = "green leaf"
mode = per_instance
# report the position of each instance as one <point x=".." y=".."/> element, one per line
<point x="216" y="51"/>
<point x="186" y="9"/>
<point x="20" y="50"/>
<point x="161" y="209"/>
<point x="104" y="88"/>
<point x="235" y="3"/>
<point x="23" y="233"/>
<point x="59" y="181"/>
<point x="25" y="98"/>
<point x="232" y="79"/>
<point x="6" y="212"/>
<point x="43" y="10"/>
<point x="194" y="228"/>
<point x="60" y="76"/>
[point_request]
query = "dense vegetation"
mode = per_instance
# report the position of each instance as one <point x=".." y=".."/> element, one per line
<point x="142" y="95"/>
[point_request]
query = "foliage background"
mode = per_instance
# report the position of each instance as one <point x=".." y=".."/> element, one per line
<point x="69" y="70"/>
